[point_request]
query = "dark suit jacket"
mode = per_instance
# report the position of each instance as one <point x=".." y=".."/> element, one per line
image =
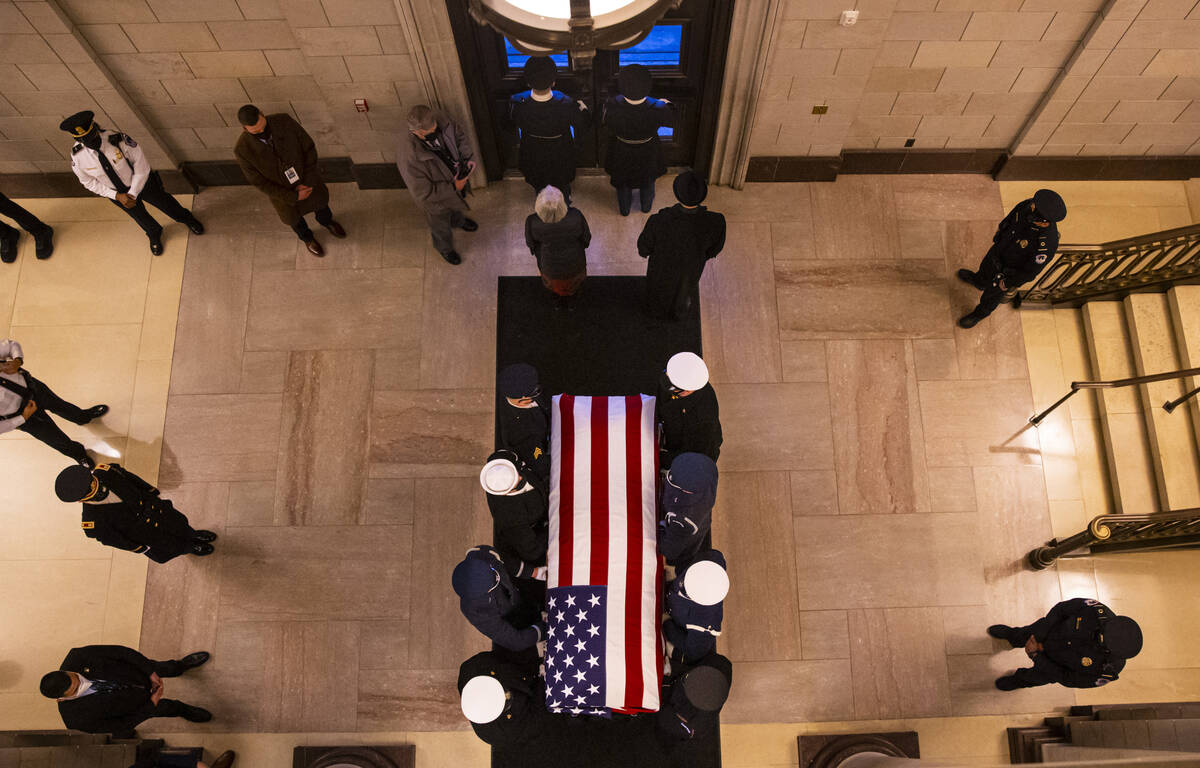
<point x="263" y="165"/>
<point x="116" y="713"/>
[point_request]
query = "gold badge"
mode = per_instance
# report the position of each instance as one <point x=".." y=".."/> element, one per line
<point x="1085" y="661"/>
<point x="537" y="452"/>
<point x="119" y="156"/>
<point x="1022" y="243"/>
<point x="88" y="525"/>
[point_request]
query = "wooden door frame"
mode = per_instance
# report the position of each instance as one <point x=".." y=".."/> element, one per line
<point x="481" y="113"/>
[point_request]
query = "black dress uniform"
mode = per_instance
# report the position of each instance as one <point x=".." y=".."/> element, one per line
<point x="110" y="163"/>
<point x="692" y="701"/>
<point x="678" y="242"/>
<point x="1084" y="645"/>
<point x="546" y="129"/>
<point x="689" y="424"/>
<point x="119" y="697"/>
<point x="491" y="603"/>
<point x="43" y="233"/>
<point x="692" y="628"/>
<point x="520" y="520"/>
<point x="1020" y="250"/>
<point x="525" y="430"/>
<point x="687" y="500"/>
<point x="635" y="158"/>
<point x="126" y="512"/>
<point x="524" y="713"/>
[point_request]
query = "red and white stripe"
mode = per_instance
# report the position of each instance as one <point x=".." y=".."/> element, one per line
<point x="604" y="465"/>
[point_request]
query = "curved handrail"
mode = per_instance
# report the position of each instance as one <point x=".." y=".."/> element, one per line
<point x="1156" y="526"/>
<point x="1037" y="418"/>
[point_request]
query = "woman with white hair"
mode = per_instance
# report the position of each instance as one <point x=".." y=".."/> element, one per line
<point x="558" y="236"/>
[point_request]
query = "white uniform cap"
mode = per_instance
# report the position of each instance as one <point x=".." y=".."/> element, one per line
<point x="687" y="371"/>
<point x="705" y="582"/>
<point x="482" y="699"/>
<point x="499" y="476"/>
<point x="10" y="350"/>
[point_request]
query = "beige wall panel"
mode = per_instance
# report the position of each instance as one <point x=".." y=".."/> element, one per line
<point x="930" y="103"/>
<point x="855" y="61"/>
<point x="30" y="128"/>
<point x="280" y="88"/>
<point x="830" y="34"/>
<point x="988" y="79"/>
<point x="979" y="5"/>
<point x="1002" y="103"/>
<point x="328" y="69"/>
<point x="1162" y="34"/>
<point x="1183" y="88"/>
<point x="1069" y="26"/>
<point x="107" y="11"/>
<point x="147" y="92"/>
<point x="12" y="81"/>
<point x="1114" y="149"/>
<point x="260" y="9"/>
<point x="143" y="66"/>
<point x="790" y="34"/>
<point x="228" y="64"/>
<point x="183" y="115"/>
<point x="1082" y="133"/>
<point x="1163" y="133"/>
<point x="1166" y="9"/>
<point x="205" y="91"/>
<point x="1026" y="53"/>
<point x="25" y="49"/>
<point x="962" y="126"/>
<point x="379" y="68"/>
<point x="44" y="17"/>
<point x="896" y="53"/>
<point x="107" y="38"/>
<point x="1191" y="114"/>
<point x="287" y="62"/>
<point x="338" y="41"/>
<point x="252" y="35"/>
<point x="804" y="62"/>
<point x="974" y="53"/>
<point x="1147" y="111"/>
<point x="50" y="77"/>
<point x="884" y="125"/>
<point x="1084" y="111"/>
<point x="1175" y="62"/>
<point x="13" y="21"/>
<point x="353" y="12"/>
<point x="1036" y="79"/>
<point x="195" y="10"/>
<point x="811" y="9"/>
<point x="1126" y="61"/>
<point x="1102" y="87"/>
<point x="927" y="26"/>
<point x="169" y="37"/>
<point x="28" y="151"/>
<point x="391" y="38"/>
<point x="1007" y="26"/>
<point x="304" y="13"/>
<point x="804" y="88"/>
<point x="884" y="79"/>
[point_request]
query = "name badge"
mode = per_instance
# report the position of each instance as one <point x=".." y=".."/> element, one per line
<point x="291" y="175"/>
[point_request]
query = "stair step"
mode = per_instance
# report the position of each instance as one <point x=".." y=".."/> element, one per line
<point x="1126" y="442"/>
<point x="1172" y="439"/>
<point x="1185" y="314"/>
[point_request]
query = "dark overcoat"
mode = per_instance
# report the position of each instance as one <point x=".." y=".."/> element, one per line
<point x="263" y="164"/>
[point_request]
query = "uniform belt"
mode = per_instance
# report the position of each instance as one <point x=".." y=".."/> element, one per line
<point x="548" y="138"/>
<point x="624" y="140"/>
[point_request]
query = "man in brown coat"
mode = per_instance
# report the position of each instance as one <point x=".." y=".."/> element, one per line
<point x="435" y="161"/>
<point x="278" y="156"/>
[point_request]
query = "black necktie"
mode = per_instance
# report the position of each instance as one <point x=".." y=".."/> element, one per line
<point x="113" y="686"/>
<point x="115" y="179"/>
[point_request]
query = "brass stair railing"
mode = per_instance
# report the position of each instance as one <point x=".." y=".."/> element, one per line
<point x="1081" y="273"/>
<point x="1124" y="533"/>
<point x="1169" y="406"/>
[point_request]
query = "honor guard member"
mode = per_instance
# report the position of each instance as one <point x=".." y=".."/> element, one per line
<point x="688" y="496"/>
<point x="122" y="510"/>
<point x="112" y="689"/>
<point x="635" y="158"/>
<point x="692" y="701"/>
<point x="43" y="233"/>
<point x="525" y="418"/>
<point x="492" y="604"/>
<point x="547" y="122"/>
<point x="502" y="700"/>
<point x="1081" y="643"/>
<point x="694" y="609"/>
<point x="686" y="410"/>
<point x="677" y="243"/>
<point x="26" y="404"/>
<point x="1023" y="245"/>
<point x="112" y="165"/>
<point x="518" y="508"/>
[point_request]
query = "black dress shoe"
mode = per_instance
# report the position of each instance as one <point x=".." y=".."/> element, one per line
<point x="201" y="548"/>
<point x="96" y="411"/>
<point x="8" y="249"/>
<point x="225" y="760"/>
<point x="196" y="714"/>
<point x="44" y="243"/>
<point x="203" y="535"/>
<point x="469" y="225"/>
<point x="967" y="276"/>
<point x="968" y="321"/>
<point x="999" y="631"/>
<point x="452" y="257"/>
<point x="193" y="660"/>
<point x="336" y="229"/>
<point x="314" y="248"/>
<point x="156" y="247"/>
<point x="196" y="227"/>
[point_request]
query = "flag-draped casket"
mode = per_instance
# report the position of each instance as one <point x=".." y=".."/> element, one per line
<point x="604" y="586"/>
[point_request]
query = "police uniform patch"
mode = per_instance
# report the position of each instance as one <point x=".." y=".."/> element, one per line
<point x="1023" y="243"/>
<point x="87" y="525"/>
<point x="1086" y="661"/>
<point x="1040" y="258"/>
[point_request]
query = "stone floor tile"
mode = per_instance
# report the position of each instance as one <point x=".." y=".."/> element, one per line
<point x="431" y="432"/>
<point x="277" y="250"/>
<point x="803" y="361"/>
<point x="973" y="691"/>
<point x="220" y="437"/>
<point x="951" y="489"/>
<point x="814" y="493"/>
<point x="406" y="247"/>
<point x="775" y="427"/>
<point x="327" y="697"/>
<point x="965" y="628"/>
<point x="388" y="502"/>
<point x="1152" y="587"/>
<point x="263" y="371"/>
<point x="948" y="198"/>
<point x="860" y="299"/>
<point x="936" y="359"/>
<point x="744" y="287"/>
<point x="921" y="239"/>
<point x="383" y="644"/>
<point x="460" y="353"/>
<point x="978" y="423"/>
<point x="790" y="691"/>
<point x="824" y="635"/>
<point x="410" y="699"/>
<point x="898" y="657"/>
<point x="751" y="523"/>
<point x="323" y="438"/>
<point x="362" y="248"/>
<point x="874" y="561"/>
<point x="793" y="239"/>
<point x="399" y="367"/>
<point x="838" y="236"/>
<point x="251" y="503"/>
<point x="879" y="450"/>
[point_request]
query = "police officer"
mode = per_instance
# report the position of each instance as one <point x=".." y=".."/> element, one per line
<point x="635" y="158"/>
<point x="692" y="701"/>
<point x="1081" y="643"/>
<point x="112" y="165"/>
<point x="525" y="418"/>
<point x="492" y="604"/>
<point x="677" y="243"/>
<point x="502" y="700"/>
<point x="518" y="510"/>
<point x="43" y="233"/>
<point x="694" y="609"/>
<point x="688" y="495"/>
<point x="26" y="404"/>
<point x="547" y="122"/>
<point x="1023" y="245"/>
<point x="686" y="410"/>
<point x="122" y="510"/>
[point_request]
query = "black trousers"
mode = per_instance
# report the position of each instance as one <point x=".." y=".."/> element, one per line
<point x="985" y="277"/>
<point x="625" y="198"/>
<point x="302" y="230"/>
<point x="41" y="426"/>
<point x="155" y="194"/>
<point x="26" y="220"/>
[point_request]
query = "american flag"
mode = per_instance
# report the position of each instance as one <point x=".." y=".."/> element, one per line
<point x="604" y="587"/>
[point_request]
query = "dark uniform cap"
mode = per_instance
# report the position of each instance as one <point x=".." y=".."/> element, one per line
<point x="705" y="688"/>
<point x="73" y="483"/>
<point x="634" y="80"/>
<point x="79" y="124"/>
<point x="693" y="472"/>
<point x="519" y="380"/>
<point x="472" y="577"/>
<point x="1123" y="637"/>
<point x="540" y="72"/>
<point x="1049" y="205"/>
<point x="690" y="188"/>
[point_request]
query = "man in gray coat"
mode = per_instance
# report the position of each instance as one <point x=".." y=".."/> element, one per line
<point x="435" y="161"/>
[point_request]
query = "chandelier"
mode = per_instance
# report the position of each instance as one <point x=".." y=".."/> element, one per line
<point x="541" y="27"/>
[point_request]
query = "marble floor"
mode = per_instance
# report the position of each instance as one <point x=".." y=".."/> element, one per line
<point x="327" y="417"/>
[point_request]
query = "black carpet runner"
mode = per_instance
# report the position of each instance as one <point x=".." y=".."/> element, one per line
<point x="605" y="345"/>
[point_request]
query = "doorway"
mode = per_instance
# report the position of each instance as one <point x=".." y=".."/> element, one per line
<point x="685" y="52"/>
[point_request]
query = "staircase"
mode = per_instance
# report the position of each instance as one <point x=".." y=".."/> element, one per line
<point x="1132" y="732"/>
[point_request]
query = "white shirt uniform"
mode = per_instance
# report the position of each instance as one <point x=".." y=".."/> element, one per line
<point x="10" y="402"/>
<point x="126" y="158"/>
